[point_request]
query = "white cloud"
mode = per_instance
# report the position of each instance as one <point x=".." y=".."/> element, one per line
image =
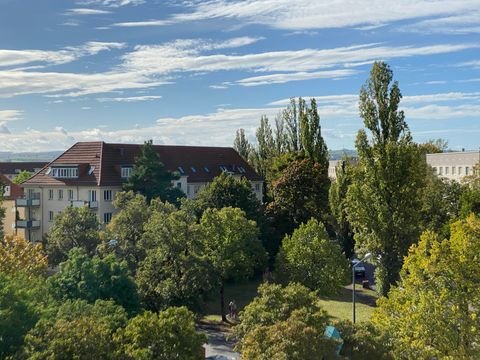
<point x="130" y="99"/>
<point x="10" y="115"/>
<point x="474" y="63"/>
<point x="66" y="55"/>
<point x="14" y="83"/>
<point x="303" y="15"/>
<point x="459" y="24"/>
<point x="298" y="76"/>
<point x="111" y="3"/>
<point x="86" y="11"/>
<point x="4" y="129"/>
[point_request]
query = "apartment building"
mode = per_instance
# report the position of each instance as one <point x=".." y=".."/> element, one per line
<point x="91" y="173"/>
<point x="454" y="165"/>
<point x="11" y="194"/>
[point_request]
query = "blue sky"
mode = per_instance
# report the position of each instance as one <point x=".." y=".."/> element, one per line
<point x="192" y="72"/>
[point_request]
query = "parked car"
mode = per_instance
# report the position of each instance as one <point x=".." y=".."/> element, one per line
<point x="359" y="268"/>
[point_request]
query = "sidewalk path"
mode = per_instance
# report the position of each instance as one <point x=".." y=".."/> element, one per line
<point x="218" y="345"/>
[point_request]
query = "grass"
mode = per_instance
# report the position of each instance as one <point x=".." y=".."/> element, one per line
<point x="339" y="307"/>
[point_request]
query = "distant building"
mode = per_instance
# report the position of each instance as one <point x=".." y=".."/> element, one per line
<point x="12" y="192"/>
<point x="91" y="173"/>
<point x="12" y="169"/>
<point x="332" y="167"/>
<point x="453" y="165"/>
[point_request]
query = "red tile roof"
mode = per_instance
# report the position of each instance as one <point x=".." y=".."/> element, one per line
<point x="16" y="191"/>
<point x="100" y="163"/>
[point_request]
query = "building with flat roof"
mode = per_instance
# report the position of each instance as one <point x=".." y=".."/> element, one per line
<point x="454" y="165"/>
<point x="91" y="173"/>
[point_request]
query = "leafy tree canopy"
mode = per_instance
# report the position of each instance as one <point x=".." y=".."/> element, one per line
<point x="168" y="335"/>
<point x="22" y="176"/>
<point x="150" y="178"/>
<point x="175" y="271"/>
<point x="384" y="200"/>
<point x="77" y="330"/>
<point x="231" y="245"/>
<point x="20" y="256"/>
<point x="73" y="227"/>
<point x="90" y="279"/>
<point x="434" y="311"/>
<point x="310" y="258"/>
<point x="275" y="309"/>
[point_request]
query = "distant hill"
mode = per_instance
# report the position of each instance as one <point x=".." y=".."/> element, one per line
<point x="338" y="154"/>
<point x="29" y="156"/>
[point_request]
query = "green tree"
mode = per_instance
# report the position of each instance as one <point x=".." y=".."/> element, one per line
<point x="231" y="245"/>
<point x="314" y="146"/>
<point x="22" y="176"/>
<point x="384" y="199"/>
<point x="338" y="207"/>
<point x="20" y="256"/>
<point x="167" y="335"/>
<point x="298" y="337"/>
<point x="90" y="279"/>
<point x="470" y="198"/>
<point x="434" y="310"/>
<point x="279" y="314"/>
<point x="73" y="227"/>
<point x="225" y="190"/>
<point x="310" y="258"/>
<point x="299" y="194"/>
<point x="2" y="210"/>
<point x="362" y="341"/>
<point x="175" y="271"/>
<point x="242" y="145"/>
<point x="127" y="228"/>
<point x="20" y="309"/>
<point x="76" y="330"/>
<point x="150" y="178"/>
<point x="434" y="146"/>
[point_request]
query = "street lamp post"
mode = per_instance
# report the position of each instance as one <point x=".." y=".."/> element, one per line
<point x="366" y="257"/>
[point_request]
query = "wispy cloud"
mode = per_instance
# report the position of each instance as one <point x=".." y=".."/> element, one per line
<point x="458" y="24"/>
<point x="304" y="15"/>
<point x="86" y="11"/>
<point x="130" y="99"/>
<point x="297" y="76"/>
<point x="111" y="3"/>
<point x="46" y="57"/>
<point x="10" y="115"/>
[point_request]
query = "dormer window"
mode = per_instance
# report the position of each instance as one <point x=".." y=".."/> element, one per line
<point x="193" y="169"/>
<point x="126" y="171"/>
<point x="223" y="168"/>
<point x="180" y="169"/>
<point x="70" y="172"/>
<point x="241" y="169"/>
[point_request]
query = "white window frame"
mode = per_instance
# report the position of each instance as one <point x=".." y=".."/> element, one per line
<point x="107" y="195"/>
<point x="70" y="172"/>
<point x="50" y="194"/>
<point x="126" y="171"/>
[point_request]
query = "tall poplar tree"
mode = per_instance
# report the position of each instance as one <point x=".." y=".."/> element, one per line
<point x="384" y="199"/>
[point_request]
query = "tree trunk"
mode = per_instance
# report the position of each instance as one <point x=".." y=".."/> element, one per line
<point x="222" y="303"/>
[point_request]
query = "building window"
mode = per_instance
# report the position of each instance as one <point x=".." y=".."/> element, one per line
<point x="453" y="170"/>
<point x="64" y="172"/>
<point x="50" y="216"/>
<point x="179" y="185"/>
<point x="70" y="194"/>
<point x="446" y="170"/>
<point x="50" y="194"/>
<point x="459" y="170"/>
<point x="107" y="217"/>
<point x="434" y="169"/>
<point x="257" y="187"/>
<point x="467" y="171"/>
<point x="440" y="170"/>
<point x="180" y="169"/>
<point x="126" y="172"/>
<point x="60" y="194"/>
<point x="193" y="169"/>
<point x="206" y="169"/>
<point x="107" y="195"/>
<point x="92" y="195"/>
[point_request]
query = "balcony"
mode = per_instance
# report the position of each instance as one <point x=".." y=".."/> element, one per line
<point x="93" y="204"/>
<point x="81" y="203"/>
<point x="28" y="224"/>
<point x="32" y="200"/>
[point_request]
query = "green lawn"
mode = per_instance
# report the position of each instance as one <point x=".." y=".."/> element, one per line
<point x="339" y="307"/>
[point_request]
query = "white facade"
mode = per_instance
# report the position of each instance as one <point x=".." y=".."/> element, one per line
<point x="454" y="165"/>
<point x="54" y="199"/>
